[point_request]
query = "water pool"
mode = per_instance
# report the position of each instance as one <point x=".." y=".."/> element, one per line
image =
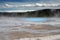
<point x="36" y="19"/>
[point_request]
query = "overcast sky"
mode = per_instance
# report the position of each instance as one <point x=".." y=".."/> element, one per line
<point x="8" y="5"/>
<point x="30" y="1"/>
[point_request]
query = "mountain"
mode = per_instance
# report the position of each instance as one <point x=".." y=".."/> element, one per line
<point x="38" y="13"/>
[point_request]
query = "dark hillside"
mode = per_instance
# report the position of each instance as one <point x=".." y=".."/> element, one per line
<point x="38" y="13"/>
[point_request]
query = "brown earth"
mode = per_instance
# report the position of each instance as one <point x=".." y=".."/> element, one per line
<point x="18" y="35"/>
<point x="43" y="27"/>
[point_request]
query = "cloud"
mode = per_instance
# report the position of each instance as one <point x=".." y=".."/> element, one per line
<point x="17" y="5"/>
<point x="7" y="5"/>
<point x="12" y="6"/>
<point x="16" y="10"/>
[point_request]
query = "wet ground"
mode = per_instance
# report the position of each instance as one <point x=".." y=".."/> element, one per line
<point x="14" y="28"/>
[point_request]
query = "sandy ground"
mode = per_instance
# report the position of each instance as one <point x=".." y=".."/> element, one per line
<point x="14" y="29"/>
<point x="43" y="27"/>
<point x="16" y="35"/>
<point x="53" y="37"/>
<point x="33" y="32"/>
<point x="25" y="35"/>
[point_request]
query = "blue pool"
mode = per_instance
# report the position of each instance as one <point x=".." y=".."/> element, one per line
<point x="36" y="19"/>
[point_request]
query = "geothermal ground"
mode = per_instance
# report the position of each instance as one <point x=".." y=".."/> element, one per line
<point x="16" y="28"/>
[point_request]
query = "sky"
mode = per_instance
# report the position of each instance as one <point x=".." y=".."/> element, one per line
<point x="57" y="1"/>
<point x="11" y="5"/>
<point x="19" y="0"/>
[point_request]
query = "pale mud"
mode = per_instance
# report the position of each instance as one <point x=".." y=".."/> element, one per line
<point x="25" y="35"/>
<point x="15" y="28"/>
<point x="53" y="37"/>
<point x="15" y="34"/>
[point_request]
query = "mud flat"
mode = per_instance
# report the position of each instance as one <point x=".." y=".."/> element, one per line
<point x="53" y="37"/>
<point x="16" y="29"/>
<point x="34" y="32"/>
<point x="45" y="33"/>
